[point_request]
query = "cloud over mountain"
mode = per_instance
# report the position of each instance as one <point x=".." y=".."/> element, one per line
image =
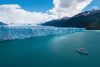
<point x="14" y="13"/>
<point x="69" y="8"/>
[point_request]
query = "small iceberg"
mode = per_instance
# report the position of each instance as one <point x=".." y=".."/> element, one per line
<point x="82" y="51"/>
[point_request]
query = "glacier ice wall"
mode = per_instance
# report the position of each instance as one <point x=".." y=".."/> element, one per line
<point x="22" y="32"/>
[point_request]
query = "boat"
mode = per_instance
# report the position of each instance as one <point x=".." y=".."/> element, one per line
<point x="82" y="51"/>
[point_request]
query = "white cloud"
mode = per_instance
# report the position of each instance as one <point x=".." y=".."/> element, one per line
<point x="13" y="13"/>
<point x="69" y="8"/>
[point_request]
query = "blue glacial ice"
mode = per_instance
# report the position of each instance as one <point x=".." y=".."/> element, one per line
<point x="22" y="32"/>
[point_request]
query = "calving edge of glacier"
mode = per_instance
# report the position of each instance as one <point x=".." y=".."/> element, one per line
<point x="22" y="32"/>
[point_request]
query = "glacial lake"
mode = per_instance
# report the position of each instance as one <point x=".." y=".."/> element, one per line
<point x="52" y="51"/>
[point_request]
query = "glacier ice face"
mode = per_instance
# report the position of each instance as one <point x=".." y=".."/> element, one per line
<point x="22" y="32"/>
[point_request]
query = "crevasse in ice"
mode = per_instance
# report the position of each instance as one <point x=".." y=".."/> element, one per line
<point x="22" y="32"/>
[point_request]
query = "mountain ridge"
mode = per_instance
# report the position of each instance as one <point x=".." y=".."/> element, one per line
<point x="1" y="23"/>
<point x="87" y="19"/>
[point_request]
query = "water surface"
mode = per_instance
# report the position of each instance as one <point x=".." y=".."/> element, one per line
<point x="52" y="51"/>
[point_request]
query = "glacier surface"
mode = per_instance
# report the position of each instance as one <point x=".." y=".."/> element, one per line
<point x="22" y="32"/>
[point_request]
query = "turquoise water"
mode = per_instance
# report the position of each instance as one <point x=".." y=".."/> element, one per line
<point x="52" y="51"/>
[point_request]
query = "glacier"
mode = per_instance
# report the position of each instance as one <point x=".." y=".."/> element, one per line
<point x="22" y="32"/>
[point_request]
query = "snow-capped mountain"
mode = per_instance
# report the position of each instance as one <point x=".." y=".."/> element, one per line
<point x="87" y="19"/>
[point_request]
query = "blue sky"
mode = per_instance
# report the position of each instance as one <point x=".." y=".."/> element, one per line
<point x="31" y="5"/>
<point x="94" y="3"/>
<point x="41" y="5"/>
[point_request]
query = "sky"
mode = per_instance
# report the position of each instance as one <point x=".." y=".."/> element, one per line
<point x="31" y="5"/>
<point x="39" y="11"/>
<point x="94" y="4"/>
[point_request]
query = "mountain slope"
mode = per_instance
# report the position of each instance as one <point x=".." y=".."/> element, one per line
<point x="58" y="22"/>
<point x="87" y="19"/>
<point x="2" y="23"/>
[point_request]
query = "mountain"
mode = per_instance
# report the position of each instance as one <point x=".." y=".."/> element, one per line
<point x="87" y="19"/>
<point x="57" y="22"/>
<point x="1" y="23"/>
